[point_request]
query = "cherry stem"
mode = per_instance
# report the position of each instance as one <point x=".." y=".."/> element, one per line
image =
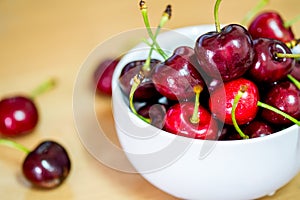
<point x="216" y="16"/>
<point x="254" y="11"/>
<point x="14" y="145"/>
<point x="295" y="81"/>
<point x="166" y="16"/>
<point x="136" y="82"/>
<point x="240" y="93"/>
<point x="195" y="117"/>
<point x="266" y="106"/>
<point x="44" y="87"/>
<point x="292" y="43"/>
<point x="287" y="55"/>
<point x="289" y="23"/>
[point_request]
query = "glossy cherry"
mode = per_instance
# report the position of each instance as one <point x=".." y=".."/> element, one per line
<point x="18" y="116"/>
<point x="103" y="75"/>
<point x="155" y="112"/>
<point x="228" y="53"/>
<point x="270" y="25"/>
<point x="146" y="89"/>
<point x="191" y="120"/>
<point x="267" y="66"/>
<point x="176" y="77"/>
<point x="47" y="166"/>
<point x="246" y="110"/>
<point x="258" y="128"/>
<point x="286" y="97"/>
<point x="296" y="70"/>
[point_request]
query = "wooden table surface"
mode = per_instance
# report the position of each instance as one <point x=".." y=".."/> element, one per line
<point x="42" y="39"/>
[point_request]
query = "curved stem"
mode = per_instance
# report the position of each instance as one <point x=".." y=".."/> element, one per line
<point x="289" y="23"/>
<point x="166" y="16"/>
<point x="216" y="15"/>
<point x="14" y="145"/>
<point x="164" y="19"/>
<point x="44" y="87"/>
<point x="287" y="55"/>
<point x="295" y="81"/>
<point x="195" y="117"/>
<point x="234" y="105"/>
<point x="254" y="11"/>
<point x="266" y="106"/>
<point x="136" y="82"/>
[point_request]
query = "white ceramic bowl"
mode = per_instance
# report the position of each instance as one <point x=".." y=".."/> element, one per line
<point x="200" y="169"/>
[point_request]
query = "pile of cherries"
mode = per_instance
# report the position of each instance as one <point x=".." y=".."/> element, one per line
<point x="226" y="65"/>
<point x="47" y="165"/>
<point x="235" y="83"/>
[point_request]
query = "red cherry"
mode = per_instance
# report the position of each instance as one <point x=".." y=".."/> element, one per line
<point x="18" y="116"/>
<point x="103" y="75"/>
<point x="228" y="53"/>
<point x="258" y="128"/>
<point x="286" y="97"/>
<point x="267" y="66"/>
<point x="178" y="121"/>
<point x="270" y="25"/>
<point x="47" y="166"/>
<point x="246" y="109"/>
<point x="176" y="77"/>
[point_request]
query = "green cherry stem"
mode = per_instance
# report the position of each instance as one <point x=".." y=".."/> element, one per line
<point x="295" y="81"/>
<point x="195" y="117"/>
<point x="166" y="16"/>
<point x="44" y="87"/>
<point x="14" y="145"/>
<point x="216" y="16"/>
<point x="136" y="82"/>
<point x="287" y="55"/>
<point x="254" y="11"/>
<point x="240" y="93"/>
<point x="266" y="106"/>
<point x="289" y="23"/>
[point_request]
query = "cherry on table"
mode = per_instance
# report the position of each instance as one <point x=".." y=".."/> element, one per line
<point x="103" y="75"/>
<point x="19" y="114"/>
<point x="47" y="166"/>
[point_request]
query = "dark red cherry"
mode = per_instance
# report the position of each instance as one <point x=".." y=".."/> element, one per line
<point x="286" y="97"/>
<point x="103" y="75"/>
<point x="270" y="25"/>
<point x="258" y="128"/>
<point x="155" y="112"/>
<point x="176" y="77"/>
<point x="267" y="66"/>
<point x="178" y="121"/>
<point x="296" y="70"/>
<point x="18" y="116"/>
<point x="228" y="53"/>
<point x="47" y="166"/>
<point x="246" y="110"/>
<point x="146" y="89"/>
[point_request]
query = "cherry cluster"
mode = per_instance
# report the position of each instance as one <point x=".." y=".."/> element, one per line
<point x="237" y="82"/>
<point x="48" y="164"/>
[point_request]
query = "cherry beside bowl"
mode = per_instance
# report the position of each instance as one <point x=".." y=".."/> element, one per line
<point x="202" y="169"/>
